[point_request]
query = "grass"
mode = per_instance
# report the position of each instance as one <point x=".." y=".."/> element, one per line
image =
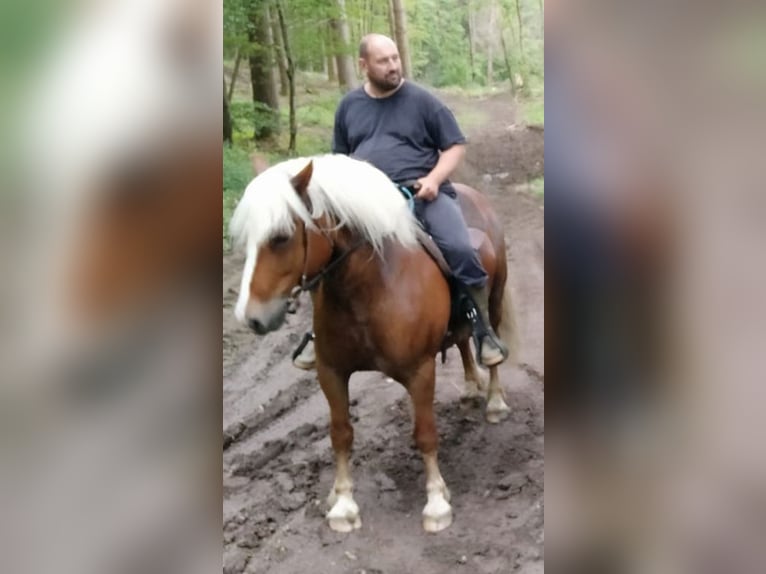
<point x="237" y="173"/>
<point x="532" y="107"/>
<point x="533" y="111"/>
<point x="469" y="118"/>
<point x="474" y="91"/>
<point x="537" y="187"/>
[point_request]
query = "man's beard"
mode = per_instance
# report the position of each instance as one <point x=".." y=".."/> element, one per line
<point x="386" y="83"/>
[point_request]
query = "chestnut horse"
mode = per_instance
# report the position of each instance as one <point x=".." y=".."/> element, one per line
<point x="381" y="302"/>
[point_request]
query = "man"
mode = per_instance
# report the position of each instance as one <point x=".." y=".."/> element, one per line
<point x="408" y="134"/>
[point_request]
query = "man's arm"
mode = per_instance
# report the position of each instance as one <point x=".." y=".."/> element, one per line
<point x="449" y="159"/>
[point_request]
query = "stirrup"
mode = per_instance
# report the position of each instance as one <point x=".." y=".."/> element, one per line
<point x="480" y="331"/>
<point x="308" y="337"/>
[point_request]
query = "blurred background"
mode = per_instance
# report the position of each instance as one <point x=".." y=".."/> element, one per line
<point x="654" y="293"/>
<point x="111" y="254"/>
<point x="110" y="245"/>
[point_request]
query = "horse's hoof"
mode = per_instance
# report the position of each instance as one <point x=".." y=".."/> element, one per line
<point x="344" y="515"/>
<point x="497" y="411"/>
<point x="437" y="515"/>
<point x="344" y="525"/>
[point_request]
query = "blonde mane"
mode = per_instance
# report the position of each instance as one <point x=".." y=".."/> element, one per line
<point x="351" y="192"/>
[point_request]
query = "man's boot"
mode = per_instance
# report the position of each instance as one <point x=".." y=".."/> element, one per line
<point x="304" y="357"/>
<point x="491" y="350"/>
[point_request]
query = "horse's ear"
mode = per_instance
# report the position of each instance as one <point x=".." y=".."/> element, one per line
<point x="260" y="163"/>
<point x="301" y="181"/>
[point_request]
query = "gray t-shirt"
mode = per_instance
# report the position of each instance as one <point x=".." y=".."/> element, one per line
<point x="401" y="135"/>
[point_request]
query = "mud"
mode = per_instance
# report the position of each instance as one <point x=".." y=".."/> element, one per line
<point x="278" y="464"/>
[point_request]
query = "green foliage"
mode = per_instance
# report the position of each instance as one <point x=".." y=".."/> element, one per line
<point x="537" y="187"/>
<point x="438" y="42"/>
<point x="533" y="109"/>
<point x="249" y="117"/>
<point x="237" y="173"/>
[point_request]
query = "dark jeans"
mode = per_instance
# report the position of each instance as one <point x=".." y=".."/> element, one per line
<point x="443" y="221"/>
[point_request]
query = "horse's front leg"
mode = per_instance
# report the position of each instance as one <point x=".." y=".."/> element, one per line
<point x="344" y="512"/>
<point x="437" y="514"/>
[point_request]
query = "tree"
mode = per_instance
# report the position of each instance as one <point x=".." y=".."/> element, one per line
<point x="234" y="74"/>
<point x="277" y="35"/>
<point x="468" y="25"/>
<point x="290" y="75"/>
<point x="346" y="68"/>
<point x="332" y="75"/>
<point x="265" y="99"/>
<point x="400" y="26"/>
<point x="391" y="19"/>
<point x="228" y="129"/>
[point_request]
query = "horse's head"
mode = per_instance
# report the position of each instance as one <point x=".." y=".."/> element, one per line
<point x="293" y="216"/>
<point x="276" y="252"/>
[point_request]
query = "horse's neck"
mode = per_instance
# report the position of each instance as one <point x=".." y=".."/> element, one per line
<point x="362" y="277"/>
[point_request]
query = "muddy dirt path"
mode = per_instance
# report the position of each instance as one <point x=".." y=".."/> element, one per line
<point x="278" y="464"/>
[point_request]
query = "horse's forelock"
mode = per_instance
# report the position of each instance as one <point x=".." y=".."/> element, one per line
<point x="267" y="208"/>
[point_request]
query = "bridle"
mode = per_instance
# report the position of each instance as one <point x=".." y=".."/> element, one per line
<point x="309" y="284"/>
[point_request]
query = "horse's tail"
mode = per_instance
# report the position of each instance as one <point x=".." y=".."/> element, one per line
<point x="508" y="329"/>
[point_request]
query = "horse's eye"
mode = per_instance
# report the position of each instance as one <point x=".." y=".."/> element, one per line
<point x="278" y="241"/>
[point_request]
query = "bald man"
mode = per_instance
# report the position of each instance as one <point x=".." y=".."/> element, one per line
<point x="408" y="134"/>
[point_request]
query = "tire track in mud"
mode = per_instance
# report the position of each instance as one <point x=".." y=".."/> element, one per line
<point x="291" y="477"/>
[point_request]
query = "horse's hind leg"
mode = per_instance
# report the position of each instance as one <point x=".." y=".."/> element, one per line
<point x="497" y="409"/>
<point x="474" y="382"/>
<point x="437" y="514"/>
<point x="344" y="512"/>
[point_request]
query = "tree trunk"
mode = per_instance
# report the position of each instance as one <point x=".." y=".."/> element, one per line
<point x="276" y="33"/>
<point x="346" y="71"/>
<point x="391" y="19"/>
<point x="521" y="34"/>
<point x="290" y="76"/>
<point x="469" y="28"/>
<point x="228" y="129"/>
<point x="490" y="56"/>
<point x="262" y="78"/>
<point x="234" y="74"/>
<point x="329" y="52"/>
<point x="332" y="72"/>
<point x="400" y="17"/>
<point x="507" y="62"/>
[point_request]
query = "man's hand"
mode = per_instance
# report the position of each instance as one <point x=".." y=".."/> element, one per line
<point x="429" y="188"/>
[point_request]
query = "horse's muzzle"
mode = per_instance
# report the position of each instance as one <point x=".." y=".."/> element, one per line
<point x="261" y="325"/>
<point x="258" y="327"/>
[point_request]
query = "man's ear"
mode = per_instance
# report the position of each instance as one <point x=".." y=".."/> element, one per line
<point x="300" y="182"/>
